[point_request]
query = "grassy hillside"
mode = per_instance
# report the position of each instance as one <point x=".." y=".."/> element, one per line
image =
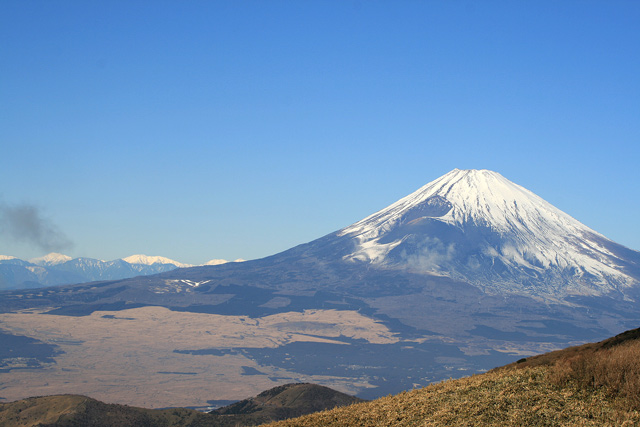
<point x="278" y="403"/>
<point x="592" y="385"/>
<point x="283" y="402"/>
<point x="72" y="410"/>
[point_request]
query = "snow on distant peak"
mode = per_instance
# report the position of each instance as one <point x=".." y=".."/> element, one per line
<point x="6" y="257"/>
<point x="150" y="260"/>
<point x="216" y="262"/>
<point x="52" y="258"/>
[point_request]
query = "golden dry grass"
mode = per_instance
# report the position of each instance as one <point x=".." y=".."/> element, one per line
<point x="531" y="396"/>
<point x="615" y="371"/>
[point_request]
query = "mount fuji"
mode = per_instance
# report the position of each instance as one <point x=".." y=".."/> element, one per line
<point x="479" y="227"/>
<point x="469" y="272"/>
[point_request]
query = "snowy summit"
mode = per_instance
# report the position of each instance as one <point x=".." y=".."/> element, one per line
<point x="477" y="226"/>
<point x="150" y="260"/>
<point x="52" y="258"/>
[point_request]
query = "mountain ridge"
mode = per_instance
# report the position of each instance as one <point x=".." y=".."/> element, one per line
<point x="56" y="269"/>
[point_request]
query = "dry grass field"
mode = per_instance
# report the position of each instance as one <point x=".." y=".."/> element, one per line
<point x="611" y="368"/>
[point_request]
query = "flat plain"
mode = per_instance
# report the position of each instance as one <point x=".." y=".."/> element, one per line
<point x="154" y="357"/>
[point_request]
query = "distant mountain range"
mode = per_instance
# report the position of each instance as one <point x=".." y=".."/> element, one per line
<point x="58" y="269"/>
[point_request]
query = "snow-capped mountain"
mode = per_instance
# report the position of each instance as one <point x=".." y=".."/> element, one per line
<point x="150" y="260"/>
<point x="52" y="258"/>
<point x="477" y="226"/>
<point x="469" y="226"/>
<point x="216" y="261"/>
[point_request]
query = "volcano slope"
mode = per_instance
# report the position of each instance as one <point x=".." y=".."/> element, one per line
<point x="469" y="272"/>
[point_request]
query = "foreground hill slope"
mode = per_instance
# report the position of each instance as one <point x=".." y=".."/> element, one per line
<point x="591" y="385"/>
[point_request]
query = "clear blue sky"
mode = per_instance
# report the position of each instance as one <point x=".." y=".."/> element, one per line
<point x="237" y="129"/>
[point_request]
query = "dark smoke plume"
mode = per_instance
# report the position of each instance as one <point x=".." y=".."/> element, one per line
<point x="26" y="224"/>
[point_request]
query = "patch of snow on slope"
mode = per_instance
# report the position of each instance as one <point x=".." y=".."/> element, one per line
<point x="194" y="284"/>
